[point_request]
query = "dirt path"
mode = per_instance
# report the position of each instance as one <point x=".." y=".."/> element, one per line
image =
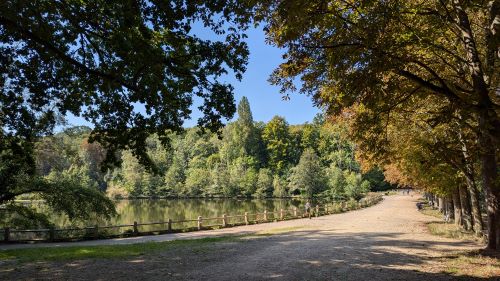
<point x="388" y="241"/>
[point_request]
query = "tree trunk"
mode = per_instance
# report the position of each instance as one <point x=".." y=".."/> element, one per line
<point x="470" y="180"/>
<point x="476" y="208"/>
<point x="457" y="207"/>
<point x="487" y="117"/>
<point x="466" y="210"/>
<point x="489" y="181"/>
<point x="472" y="187"/>
<point x="441" y="207"/>
<point x="451" y="207"/>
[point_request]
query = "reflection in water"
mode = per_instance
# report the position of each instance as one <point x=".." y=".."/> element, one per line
<point x="157" y="210"/>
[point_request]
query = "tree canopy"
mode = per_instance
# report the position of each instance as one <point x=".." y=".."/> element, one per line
<point x="368" y="59"/>
<point x="131" y="68"/>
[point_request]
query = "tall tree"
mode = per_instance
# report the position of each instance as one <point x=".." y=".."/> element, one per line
<point x="276" y="136"/>
<point x="247" y="133"/>
<point x="308" y="176"/>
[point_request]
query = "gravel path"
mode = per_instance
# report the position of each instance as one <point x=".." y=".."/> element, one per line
<point x="388" y="241"/>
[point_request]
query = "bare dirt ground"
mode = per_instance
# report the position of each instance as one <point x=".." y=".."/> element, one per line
<point x="388" y="241"/>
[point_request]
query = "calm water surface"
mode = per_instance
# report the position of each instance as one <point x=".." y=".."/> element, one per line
<point x="157" y="210"/>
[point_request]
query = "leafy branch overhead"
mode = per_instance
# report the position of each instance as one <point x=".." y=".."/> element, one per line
<point x="104" y="59"/>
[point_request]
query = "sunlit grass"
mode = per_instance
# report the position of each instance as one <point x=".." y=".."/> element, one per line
<point x="450" y="230"/>
<point x="477" y="264"/>
<point x="105" y="251"/>
<point x="431" y="212"/>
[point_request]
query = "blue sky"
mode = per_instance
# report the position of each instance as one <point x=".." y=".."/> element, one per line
<point x="265" y="99"/>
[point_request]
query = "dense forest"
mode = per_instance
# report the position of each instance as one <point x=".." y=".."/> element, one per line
<point x="247" y="158"/>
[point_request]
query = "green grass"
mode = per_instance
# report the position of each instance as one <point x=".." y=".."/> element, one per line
<point x="278" y="230"/>
<point x="431" y="212"/>
<point x="104" y="252"/>
<point x="121" y="251"/>
<point x="450" y="230"/>
<point x="479" y="264"/>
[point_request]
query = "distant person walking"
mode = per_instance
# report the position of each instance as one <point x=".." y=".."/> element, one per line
<point x="308" y="209"/>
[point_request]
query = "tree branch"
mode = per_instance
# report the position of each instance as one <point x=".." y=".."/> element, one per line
<point x="62" y="55"/>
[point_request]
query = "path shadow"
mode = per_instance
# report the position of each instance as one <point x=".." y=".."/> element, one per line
<point x="297" y="255"/>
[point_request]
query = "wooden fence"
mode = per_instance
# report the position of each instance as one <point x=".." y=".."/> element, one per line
<point x="171" y="226"/>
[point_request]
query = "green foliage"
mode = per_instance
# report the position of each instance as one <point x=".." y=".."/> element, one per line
<point x="377" y="181"/>
<point x="85" y="59"/>
<point x="277" y="138"/>
<point x="264" y="183"/>
<point x="307" y="177"/>
<point x="201" y="164"/>
<point x="198" y="164"/>
<point x="310" y="137"/>
<point x="197" y="181"/>
<point x="279" y="186"/>
<point x="24" y="217"/>
<point x="355" y="185"/>
<point x="336" y="182"/>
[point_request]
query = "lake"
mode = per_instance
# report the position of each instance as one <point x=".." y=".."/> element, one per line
<point x="157" y="210"/>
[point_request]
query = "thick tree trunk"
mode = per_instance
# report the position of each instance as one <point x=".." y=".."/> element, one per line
<point x="487" y="116"/>
<point x="492" y="191"/>
<point x="470" y="180"/>
<point x="476" y="208"/>
<point x="472" y="187"/>
<point x="466" y="210"/>
<point x="457" y="206"/>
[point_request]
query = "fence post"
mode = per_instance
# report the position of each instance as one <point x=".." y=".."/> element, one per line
<point x="136" y="229"/>
<point x="281" y="214"/>
<point x="224" y="220"/>
<point x="295" y="211"/>
<point x="317" y="210"/>
<point x="326" y="209"/>
<point x="246" y="218"/>
<point x="199" y="222"/>
<point x="96" y="231"/>
<point x="6" y="234"/>
<point x="169" y="225"/>
<point x="52" y="234"/>
<point x="265" y="215"/>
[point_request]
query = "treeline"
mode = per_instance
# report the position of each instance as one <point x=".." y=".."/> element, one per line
<point x="247" y="159"/>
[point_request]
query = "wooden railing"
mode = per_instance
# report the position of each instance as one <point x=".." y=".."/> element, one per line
<point x="171" y="226"/>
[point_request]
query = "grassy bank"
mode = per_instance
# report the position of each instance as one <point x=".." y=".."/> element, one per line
<point x="479" y="263"/>
<point x="104" y="252"/>
<point x="123" y="251"/>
